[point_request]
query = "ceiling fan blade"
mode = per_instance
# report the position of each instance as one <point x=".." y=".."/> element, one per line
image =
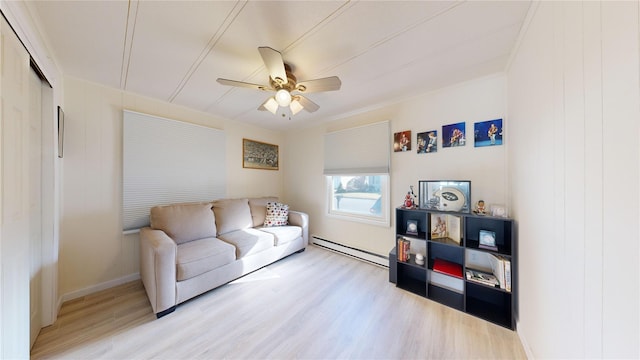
<point x="275" y="65"/>
<point x="271" y="104"/>
<point x="325" y="84"/>
<point x="307" y="104"/>
<point x="243" y="84"/>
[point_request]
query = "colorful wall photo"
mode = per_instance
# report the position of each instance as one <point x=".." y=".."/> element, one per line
<point x="402" y="141"/>
<point x="427" y="142"/>
<point x="453" y="135"/>
<point x="487" y="133"/>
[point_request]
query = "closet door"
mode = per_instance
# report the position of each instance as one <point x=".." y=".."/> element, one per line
<point x="14" y="187"/>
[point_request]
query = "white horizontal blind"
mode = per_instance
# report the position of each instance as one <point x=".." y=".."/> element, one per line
<point x="167" y="161"/>
<point x="361" y="150"/>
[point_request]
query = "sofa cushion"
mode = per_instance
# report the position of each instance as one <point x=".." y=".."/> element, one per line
<point x="277" y="214"/>
<point x="283" y="234"/>
<point x="249" y="241"/>
<point x="199" y="256"/>
<point x="184" y="222"/>
<point x="259" y="209"/>
<point x="232" y="215"/>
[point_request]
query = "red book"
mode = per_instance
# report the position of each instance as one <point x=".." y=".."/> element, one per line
<point x="447" y="267"/>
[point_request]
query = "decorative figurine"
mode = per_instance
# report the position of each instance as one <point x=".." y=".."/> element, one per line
<point x="480" y="208"/>
<point x="410" y="199"/>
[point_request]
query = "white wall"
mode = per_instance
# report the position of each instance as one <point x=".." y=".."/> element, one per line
<point x="574" y="155"/>
<point x="470" y="102"/>
<point x="93" y="252"/>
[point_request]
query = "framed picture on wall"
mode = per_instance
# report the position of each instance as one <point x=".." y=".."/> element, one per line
<point x="454" y="135"/>
<point x="487" y="133"/>
<point x="259" y="155"/>
<point x="427" y="142"/>
<point x="402" y="141"/>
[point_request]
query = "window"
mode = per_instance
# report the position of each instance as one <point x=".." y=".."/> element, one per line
<point x="356" y="166"/>
<point x="359" y="197"/>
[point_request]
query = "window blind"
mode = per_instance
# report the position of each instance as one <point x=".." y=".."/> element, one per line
<point x="360" y="150"/>
<point x="167" y="161"/>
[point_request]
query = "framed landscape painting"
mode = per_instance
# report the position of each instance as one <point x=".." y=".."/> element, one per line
<point x="259" y="155"/>
<point x="487" y="133"/>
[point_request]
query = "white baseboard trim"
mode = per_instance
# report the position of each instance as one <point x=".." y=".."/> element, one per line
<point x="98" y="287"/>
<point x="363" y="255"/>
<point x="523" y="341"/>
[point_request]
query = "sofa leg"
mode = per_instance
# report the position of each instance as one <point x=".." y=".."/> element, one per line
<point x="301" y="250"/>
<point x="166" y="312"/>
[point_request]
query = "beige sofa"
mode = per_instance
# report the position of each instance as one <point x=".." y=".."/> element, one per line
<point x="189" y="249"/>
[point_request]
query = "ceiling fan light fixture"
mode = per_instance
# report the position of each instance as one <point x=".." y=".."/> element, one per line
<point x="271" y="105"/>
<point x="295" y="106"/>
<point x="283" y="97"/>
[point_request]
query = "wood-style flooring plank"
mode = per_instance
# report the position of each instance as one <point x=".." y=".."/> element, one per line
<point x="313" y="305"/>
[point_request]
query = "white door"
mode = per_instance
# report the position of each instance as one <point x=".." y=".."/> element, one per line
<point x="35" y="203"/>
<point x="14" y="187"/>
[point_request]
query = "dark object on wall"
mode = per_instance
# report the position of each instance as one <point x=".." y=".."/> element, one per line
<point x="60" y="132"/>
<point x="259" y="155"/>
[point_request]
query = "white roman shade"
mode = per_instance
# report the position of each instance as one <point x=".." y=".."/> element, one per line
<point x="167" y="161"/>
<point x="360" y="150"/>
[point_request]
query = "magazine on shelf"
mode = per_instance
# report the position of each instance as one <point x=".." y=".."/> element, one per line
<point x="497" y="267"/>
<point x="482" y="278"/>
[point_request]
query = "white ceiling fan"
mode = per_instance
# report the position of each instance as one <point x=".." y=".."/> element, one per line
<point x="288" y="92"/>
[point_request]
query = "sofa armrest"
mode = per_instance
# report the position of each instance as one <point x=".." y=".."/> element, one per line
<point x="158" y="254"/>
<point x="301" y="219"/>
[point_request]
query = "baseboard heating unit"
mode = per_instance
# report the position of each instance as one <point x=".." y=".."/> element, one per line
<point x="363" y="255"/>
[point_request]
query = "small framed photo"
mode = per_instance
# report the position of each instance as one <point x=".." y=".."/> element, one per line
<point x="498" y="210"/>
<point x="412" y="227"/>
<point x="487" y="133"/>
<point x="453" y="135"/>
<point x="445" y="195"/>
<point x="427" y="142"/>
<point x="402" y="141"/>
<point x="487" y="240"/>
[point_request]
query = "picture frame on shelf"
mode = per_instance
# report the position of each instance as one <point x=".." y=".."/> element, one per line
<point x="445" y="227"/>
<point x="498" y="211"/>
<point x="445" y="195"/>
<point x="412" y="227"/>
<point x="487" y="240"/>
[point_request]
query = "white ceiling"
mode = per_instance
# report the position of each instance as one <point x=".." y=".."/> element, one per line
<point x="383" y="51"/>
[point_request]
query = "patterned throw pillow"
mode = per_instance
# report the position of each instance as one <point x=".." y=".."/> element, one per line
<point x="277" y="214"/>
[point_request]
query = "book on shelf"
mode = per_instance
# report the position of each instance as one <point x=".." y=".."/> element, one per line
<point x="447" y="267"/>
<point x="501" y="267"/>
<point x="404" y="246"/>
<point x="482" y="278"/>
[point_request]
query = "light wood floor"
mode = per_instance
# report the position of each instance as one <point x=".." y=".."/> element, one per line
<point x="313" y="305"/>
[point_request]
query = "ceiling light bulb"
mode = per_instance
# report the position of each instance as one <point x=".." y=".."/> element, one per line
<point x="271" y="105"/>
<point x="283" y="97"/>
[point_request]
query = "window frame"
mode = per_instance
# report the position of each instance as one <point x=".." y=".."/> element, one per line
<point x="384" y="219"/>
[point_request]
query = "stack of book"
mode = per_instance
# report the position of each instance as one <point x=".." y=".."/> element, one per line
<point x="447" y="267"/>
<point x="403" y="249"/>
<point x="482" y="278"/>
<point x="501" y="267"/>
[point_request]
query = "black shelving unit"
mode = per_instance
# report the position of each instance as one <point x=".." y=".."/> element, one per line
<point x="455" y="251"/>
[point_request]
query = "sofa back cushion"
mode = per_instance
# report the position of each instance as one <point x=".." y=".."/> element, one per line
<point x="259" y="209"/>
<point x="184" y="222"/>
<point x="232" y="215"/>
